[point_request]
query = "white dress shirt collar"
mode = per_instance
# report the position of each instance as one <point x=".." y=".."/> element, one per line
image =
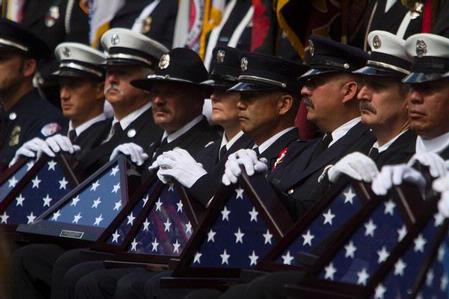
<point x="434" y="145"/>
<point x="127" y="120"/>
<point x="343" y="129"/>
<point x="267" y="143"/>
<point x="84" y="126"/>
<point x="175" y="135"/>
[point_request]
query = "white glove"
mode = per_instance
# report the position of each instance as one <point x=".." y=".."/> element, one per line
<point x="247" y="158"/>
<point x="62" y="143"/>
<point x="395" y="175"/>
<point x="437" y="166"/>
<point x="32" y="149"/>
<point x="355" y="165"/>
<point x="443" y="204"/>
<point x="132" y="150"/>
<point x="178" y="164"/>
<point x="441" y="184"/>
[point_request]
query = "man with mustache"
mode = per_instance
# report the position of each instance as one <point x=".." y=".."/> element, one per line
<point x="81" y="79"/>
<point x="330" y="94"/>
<point x="130" y="56"/>
<point x="267" y="106"/>
<point x="202" y="180"/>
<point x="383" y="107"/>
<point x="38" y="269"/>
<point x="177" y="99"/>
<point x="428" y="106"/>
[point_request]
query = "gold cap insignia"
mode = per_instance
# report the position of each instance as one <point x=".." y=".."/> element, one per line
<point x="164" y="62"/>
<point x="311" y="48"/>
<point x="244" y="64"/>
<point x="14" y="138"/>
<point x="146" y="27"/>
<point x="421" y="48"/>
<point x="220" y="56"/>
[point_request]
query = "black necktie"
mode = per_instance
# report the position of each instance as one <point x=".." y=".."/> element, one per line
<point x="374" y="154"/>
<point x="159" y="148"/>
<point x="256" y="149"/>
<point x="222" y="153"/>
<point x="72" y="135"/>
<point x="322" y="146"/>
<point x="2" y="125"/>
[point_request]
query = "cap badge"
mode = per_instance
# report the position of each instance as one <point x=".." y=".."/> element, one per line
<point x="164" y="62"/>
<point x="220" y="56"/>
<point x="115" y="39"/>
<point x="146" y="27"/>
<point x="66" y="52"/>
<point x="244" y="64"/>
<point x="52" y="16"/>
<point x="421" y="48"/>
<point x="376" y="42"/>
<point x="311" y="48"/>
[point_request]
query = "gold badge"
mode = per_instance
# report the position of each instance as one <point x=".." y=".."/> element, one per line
<point x="220" y="56"/>
<point x="66" y="52"/>
<point x="376" y="42"/>
<point x="164" y="62"/>
<point x="311" y="48"/>
<point x="146" y="27"/>
<point x="244" y="64"/>
<point x="421" y="48"/>
<point x="14" y="138"/>
<point x="115" y="39"/>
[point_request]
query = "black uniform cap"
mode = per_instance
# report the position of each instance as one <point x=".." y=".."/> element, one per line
<point x="225" y="68"/>
<point x="261" y="72"/>
<point x="326" y="55"/>
<point x="14" y="37"/>
<point x="180" y="65"/>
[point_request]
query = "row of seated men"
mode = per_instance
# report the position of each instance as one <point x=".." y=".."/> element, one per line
<point x="386" y="110"/>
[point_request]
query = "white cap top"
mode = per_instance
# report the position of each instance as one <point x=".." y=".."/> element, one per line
<point x="427" y="44"/>
<point x="79" y="52"/>
<point x="387" y="43"/>
<point x="135" y="42"/>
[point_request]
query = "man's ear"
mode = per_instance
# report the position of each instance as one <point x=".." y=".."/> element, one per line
<point x="285" y="104"/>
<point x="350" y="90"/>
<point x="99" y="90"/>
<point x="29" y="67"/>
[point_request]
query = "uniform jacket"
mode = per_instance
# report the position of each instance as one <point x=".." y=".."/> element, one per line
<point x="205" y="187"/>
<point x="296" y="179"/>
<point x="32" y="116"/>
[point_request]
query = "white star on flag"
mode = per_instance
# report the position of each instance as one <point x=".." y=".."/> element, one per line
<point x="63" y="184"/>
<point x="36" y="181"/>
<point x="51" y="165"/>
<point x="239" y="236"/>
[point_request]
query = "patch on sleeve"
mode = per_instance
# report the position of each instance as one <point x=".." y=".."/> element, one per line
<point x="50" y="129"/>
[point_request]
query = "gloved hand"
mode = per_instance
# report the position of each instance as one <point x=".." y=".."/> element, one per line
<point x="441" y="184"/>
<point x="178" y="164"/>
<point x="395" y="175"/>
<point x="132" y="150"/>
<point x="32" y="149"/>
<point x="355" y="165"/>
<point x="59" y="143"/>
<point x="443" y="204"/>
<point x="437" y="166"/>
<point x="247" y="158"/>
